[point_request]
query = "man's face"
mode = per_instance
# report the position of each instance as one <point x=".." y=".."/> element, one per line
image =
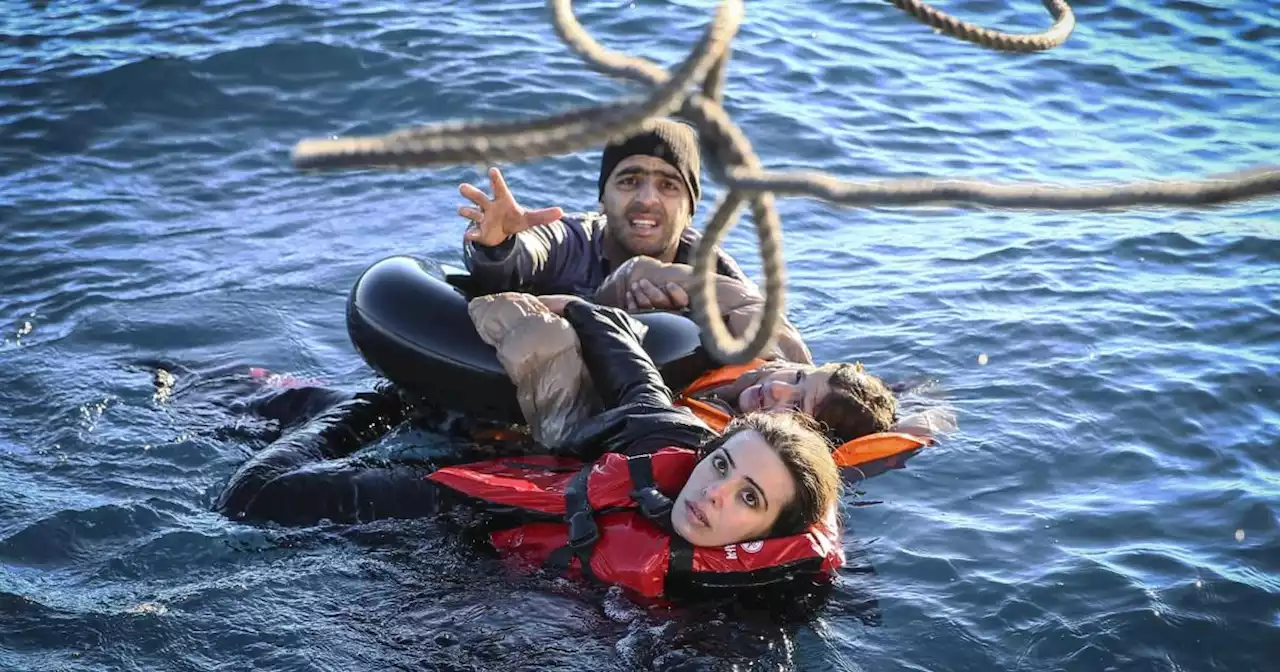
<point x="647" y="205"/>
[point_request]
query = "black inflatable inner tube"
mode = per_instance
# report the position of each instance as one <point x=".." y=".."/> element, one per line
<point x="413" y="328"/>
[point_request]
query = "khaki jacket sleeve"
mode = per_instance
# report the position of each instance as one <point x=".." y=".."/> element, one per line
<point x="540" y="352"/>
<point x="740" y="304"/>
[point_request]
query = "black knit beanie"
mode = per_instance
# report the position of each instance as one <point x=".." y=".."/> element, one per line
<point x="669" y="140"/>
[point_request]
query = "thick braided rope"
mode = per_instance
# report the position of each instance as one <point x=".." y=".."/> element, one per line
<point x="516" y="141"/>
<point x="1209" y="191"/>
<point x="729" y="149"/>
<point x="1064" y="22"/>
<point x="732" y="161"/>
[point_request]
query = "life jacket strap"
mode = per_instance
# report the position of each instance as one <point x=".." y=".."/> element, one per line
<point x="583" y="531"/>
<point x="679" y="562"/>
<point x="652" y="503"/>
<point x="657" y="508"/>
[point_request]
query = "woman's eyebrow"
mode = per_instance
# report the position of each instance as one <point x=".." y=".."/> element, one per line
<point x="748" y="479"/>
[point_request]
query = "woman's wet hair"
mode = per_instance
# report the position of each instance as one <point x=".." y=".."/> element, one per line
<point x="806" y="452"/>
<point x="857" y="405"/>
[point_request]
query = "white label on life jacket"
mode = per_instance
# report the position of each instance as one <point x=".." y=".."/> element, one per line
<point x="731" y="551"/>
<point x="753" y="546"/>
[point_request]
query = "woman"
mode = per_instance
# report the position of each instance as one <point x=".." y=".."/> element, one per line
<point x="766" y="476"/>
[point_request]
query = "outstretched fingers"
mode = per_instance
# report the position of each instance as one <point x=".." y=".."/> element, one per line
<point x="499" y="186"/>
<point x="473" y="194"/>
<point x="543" y="216"/>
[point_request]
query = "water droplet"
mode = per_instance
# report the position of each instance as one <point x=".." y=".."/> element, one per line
<point x="982" y="359"/>
<point x="1239" y="535"/>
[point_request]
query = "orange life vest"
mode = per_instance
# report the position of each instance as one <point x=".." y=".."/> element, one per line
<point x="715" y="417"/>
<point x="864" y="450"/>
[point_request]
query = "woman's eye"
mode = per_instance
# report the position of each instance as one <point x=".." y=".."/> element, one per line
<point x="749" y="498"/>
<point x="719" y="463"/>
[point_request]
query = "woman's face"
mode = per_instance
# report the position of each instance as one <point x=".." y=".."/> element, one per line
<point x="734" y="494"/>
<point x="799" y="388"/>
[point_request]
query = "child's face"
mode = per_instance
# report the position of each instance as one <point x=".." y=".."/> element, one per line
<point x="797" y="388"/>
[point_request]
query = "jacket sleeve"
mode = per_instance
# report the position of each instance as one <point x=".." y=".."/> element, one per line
<point x="741" y="303"/>
<point x="639" y="416"/>
<point x="542" y="260"/>
<point x="622" y="371"/>
<point x="539" y="351"/>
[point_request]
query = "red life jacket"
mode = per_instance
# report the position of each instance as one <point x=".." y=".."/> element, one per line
<point x="611" y="520"/>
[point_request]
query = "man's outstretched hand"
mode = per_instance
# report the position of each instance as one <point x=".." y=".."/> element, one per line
<point x="501" y="217"/>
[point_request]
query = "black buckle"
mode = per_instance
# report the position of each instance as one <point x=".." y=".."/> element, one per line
<point x="583" y="532"/>
<point x="653" y="504"/>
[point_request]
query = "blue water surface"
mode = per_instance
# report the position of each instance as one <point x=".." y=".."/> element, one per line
<point x="1109" y="501"/>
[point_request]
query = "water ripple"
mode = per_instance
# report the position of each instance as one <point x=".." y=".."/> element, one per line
<point x="1106" y="503"/>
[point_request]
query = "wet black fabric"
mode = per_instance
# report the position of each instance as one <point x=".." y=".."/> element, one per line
<point x="640" y="417"/>
<point x="257" y="490"/>
<point x="308" y="475"/>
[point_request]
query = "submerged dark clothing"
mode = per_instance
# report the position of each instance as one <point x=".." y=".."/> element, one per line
<point x="305" y="476"/>
<point x="298" y="479"/>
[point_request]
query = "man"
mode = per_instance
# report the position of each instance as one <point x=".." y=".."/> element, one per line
<point x="637" y="257"/>
<point x="648" y="191"/>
